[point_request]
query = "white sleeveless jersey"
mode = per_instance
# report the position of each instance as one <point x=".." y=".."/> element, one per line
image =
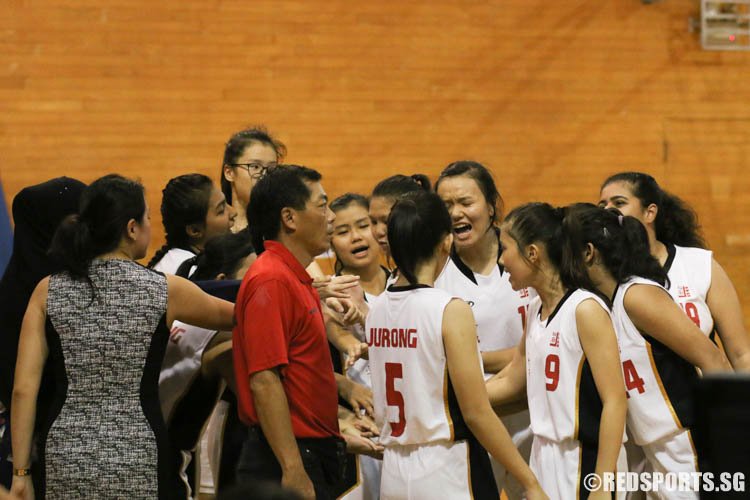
<point x="652" y="373"/>
<point x="499" y="311"/>
<point x="414" y="401"/>
<point x="563" y="400"/>
<point x="181" y="364"/>
<point x="689" y="271"/>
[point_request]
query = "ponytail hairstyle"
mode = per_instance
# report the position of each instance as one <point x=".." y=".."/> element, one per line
<point x="417" y="224"/>
<point x="105" y="208"/>
<point x="341" y="203"/>
<point x="283" y="186"/>
<point x="538" y="222"/>
<point x="676" y="222"/>
<point x="236" y="146"/>
<point x="223" y="254"/>
<point x="622" y="242"/>
<point x="479" y="173"/>
<point x="184" y="201"/>
<point x="396" y="186"/>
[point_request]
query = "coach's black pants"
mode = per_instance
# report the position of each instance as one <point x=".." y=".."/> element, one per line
<point x="323" y="459"/>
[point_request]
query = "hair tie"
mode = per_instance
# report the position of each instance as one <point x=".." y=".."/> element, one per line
<point x="619" y="220"/>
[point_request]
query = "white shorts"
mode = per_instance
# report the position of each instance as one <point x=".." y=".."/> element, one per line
<point x="457" y="470"/>
<point x="674" y="453"/>
<point x="367" y="486"/>
<point x="561" y="466"/>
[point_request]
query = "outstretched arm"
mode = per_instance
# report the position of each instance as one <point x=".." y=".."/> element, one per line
<point x="191" y="305"/>
<point x="460" y="339"/>
<point x="599" y="343"/>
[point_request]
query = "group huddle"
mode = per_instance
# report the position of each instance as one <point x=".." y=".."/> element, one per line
<point x="454" y="353"/>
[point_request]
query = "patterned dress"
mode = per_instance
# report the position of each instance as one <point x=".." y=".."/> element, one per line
<point x="108" y="336"/>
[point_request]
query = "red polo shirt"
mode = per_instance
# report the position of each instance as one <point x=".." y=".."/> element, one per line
<point x="279" y="324"/>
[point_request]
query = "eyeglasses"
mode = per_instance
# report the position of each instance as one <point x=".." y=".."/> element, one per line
<point x="255" y="170"/>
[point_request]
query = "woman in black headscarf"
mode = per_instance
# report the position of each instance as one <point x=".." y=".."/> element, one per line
<point x="37" y="211"/>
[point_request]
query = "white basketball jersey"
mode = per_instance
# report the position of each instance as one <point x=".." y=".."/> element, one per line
<point x="499" y="311"/>
<point x="563" y="400"/>
<point x="181" y="364"/>
<point x="414" y="402"/>
<point x="172" y="260"/>
<point x="689" y="271"/>
<point x="651" y="413"/>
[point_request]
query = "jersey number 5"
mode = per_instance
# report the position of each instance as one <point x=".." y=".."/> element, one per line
<point x="395" y="398"/>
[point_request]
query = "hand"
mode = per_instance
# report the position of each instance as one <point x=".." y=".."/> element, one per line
<point x="354" y="352"/>
<point x="298" y="480"/>
<point x="363" y="446"/>
<point x="351" y="312"/>
<point x="359" y="397"/>
<point x="22" y="488"/>
<point x="336" y="286"/>
<point x="358" y="425"/>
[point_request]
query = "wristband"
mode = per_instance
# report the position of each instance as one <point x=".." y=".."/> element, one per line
<point x="21" y="472"/>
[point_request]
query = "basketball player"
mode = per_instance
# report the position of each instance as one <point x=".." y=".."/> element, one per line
<point x="659" y="345"/>
<point x="386" y="193"/>
<point x="430" y="401"/>
<point x="697" y="282"/>
<point x="357" y="253"/>
<point x="569" y="363"/>
<point x="474" y="274"/>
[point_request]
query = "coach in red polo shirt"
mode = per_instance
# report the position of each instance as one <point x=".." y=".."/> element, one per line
<point x="286" y="387"/>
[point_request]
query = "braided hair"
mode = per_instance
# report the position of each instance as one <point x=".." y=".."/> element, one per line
<point x="184" y="201"/>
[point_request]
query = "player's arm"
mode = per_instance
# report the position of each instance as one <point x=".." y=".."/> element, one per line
<point x="652" y="311"/>
<point x="191" y="305"/>
<point x="725" y="309"/>
<point x="341" y="337"/>
<point x="460" y="339"/>
<point x="272" y="408"/>
<point x="599" y="343"/>
<point x="495" y="361"/>
<point x="32" y="355"/>
<point x="508" y="388"/>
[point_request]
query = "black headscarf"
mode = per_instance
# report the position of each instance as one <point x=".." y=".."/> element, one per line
<point x="37" y="211"/>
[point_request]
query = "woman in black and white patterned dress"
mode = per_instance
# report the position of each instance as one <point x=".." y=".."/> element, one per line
<point x="102" y="326"/>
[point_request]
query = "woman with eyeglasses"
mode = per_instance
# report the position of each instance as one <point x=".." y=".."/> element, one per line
<point x="248" y="154"/>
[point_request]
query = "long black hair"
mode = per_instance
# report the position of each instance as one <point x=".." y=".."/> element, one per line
<point x="538" y="222"/>
<point x="184" y="201"/>
<point x="417" y="224"/>
<point x="398" y="185"/>
<point x="676" y="222"/>
<point x="622" y="243"/>
<point x="222" y="254"/>
<point x="106" y="207"/>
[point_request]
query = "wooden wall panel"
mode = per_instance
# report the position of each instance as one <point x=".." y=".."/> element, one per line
<point x="553" y="96"/>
